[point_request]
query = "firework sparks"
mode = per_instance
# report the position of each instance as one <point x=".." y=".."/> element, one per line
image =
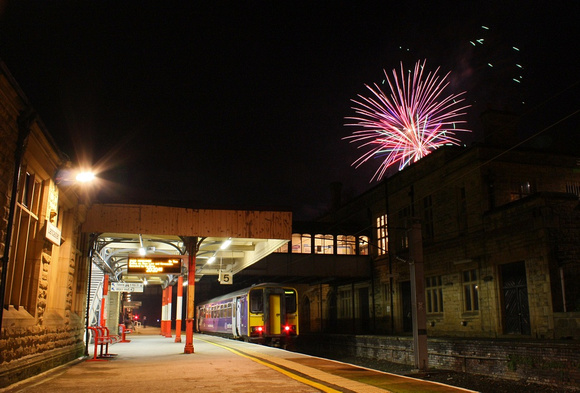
<point x="410" y="123"/>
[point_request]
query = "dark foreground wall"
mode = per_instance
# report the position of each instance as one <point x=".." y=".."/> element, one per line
<point x="548" y="362"/>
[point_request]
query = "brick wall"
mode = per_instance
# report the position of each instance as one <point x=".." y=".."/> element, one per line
<point x="553" y="363"/>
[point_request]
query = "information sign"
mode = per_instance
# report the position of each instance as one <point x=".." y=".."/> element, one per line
<point x="126" y="287"/>
<point x="154" y="264"/>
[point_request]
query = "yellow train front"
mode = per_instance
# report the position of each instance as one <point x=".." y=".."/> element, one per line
<point x="263" y="313"/>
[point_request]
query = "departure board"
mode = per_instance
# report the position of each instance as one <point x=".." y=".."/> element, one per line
<point x="154" y="265"/>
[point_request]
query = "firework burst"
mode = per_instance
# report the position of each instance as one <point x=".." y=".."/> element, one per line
<point x="410" y="123"/>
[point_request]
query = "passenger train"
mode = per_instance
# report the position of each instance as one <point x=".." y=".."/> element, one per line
<point x="264" y="313"/>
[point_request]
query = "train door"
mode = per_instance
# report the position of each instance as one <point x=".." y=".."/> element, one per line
<point x="238" y="313"/>
<point x="274" y="310"/>
<point x="275" y="313"/>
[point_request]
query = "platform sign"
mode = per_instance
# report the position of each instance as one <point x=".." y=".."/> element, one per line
<point x="126" y="287"/>
<point x="226" y="278"/>
<point x="169" y="264"/>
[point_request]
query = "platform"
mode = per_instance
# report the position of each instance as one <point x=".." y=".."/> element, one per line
<point x="151" y="362"/>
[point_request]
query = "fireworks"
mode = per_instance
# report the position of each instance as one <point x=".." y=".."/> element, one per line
<point x="410" y="123"/>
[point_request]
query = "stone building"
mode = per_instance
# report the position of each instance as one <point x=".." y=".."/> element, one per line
<point x="44" y="274"/>
<point x="500" y="240"/>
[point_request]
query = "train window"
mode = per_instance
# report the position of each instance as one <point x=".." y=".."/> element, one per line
<point x="256" y="300"/>
<point x="290" y="297"/>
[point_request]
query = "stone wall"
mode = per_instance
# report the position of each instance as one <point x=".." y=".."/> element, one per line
<point x="28" y="351"/>
<point x="548" y="362"/>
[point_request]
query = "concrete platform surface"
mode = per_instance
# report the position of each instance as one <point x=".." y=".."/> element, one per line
<point x="152" y="363"/>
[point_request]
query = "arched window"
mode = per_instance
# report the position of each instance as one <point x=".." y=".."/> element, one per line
<point x="345" y="245"/>
<point x="324" y="244"/>
<point x="363" y="245"/>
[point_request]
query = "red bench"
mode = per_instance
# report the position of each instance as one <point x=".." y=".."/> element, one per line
<point x="102" y="338"/>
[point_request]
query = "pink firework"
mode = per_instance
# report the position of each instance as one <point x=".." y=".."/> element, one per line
<point x="408" y="125"/>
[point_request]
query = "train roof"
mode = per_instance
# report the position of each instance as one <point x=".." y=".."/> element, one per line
<point x="241" y="292"/>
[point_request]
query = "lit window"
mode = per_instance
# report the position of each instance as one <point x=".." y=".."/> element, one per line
<point x="363" y="245"/>
<point x="324" y="244"/>
<point x="301" y="244"/>
<point x="346" y="245"/>
<point x="382" y="235"/>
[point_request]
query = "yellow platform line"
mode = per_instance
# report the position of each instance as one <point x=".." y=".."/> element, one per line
<point x="296" y="377"/>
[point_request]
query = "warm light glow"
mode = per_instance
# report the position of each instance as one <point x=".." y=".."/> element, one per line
<point x="226" y="244"/>
<point x="142" y="251"/>
<point x="210" y="260"/>
<point x="85" y="177"/>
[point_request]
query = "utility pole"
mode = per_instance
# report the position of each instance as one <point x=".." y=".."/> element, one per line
<point x="418" y="296"/>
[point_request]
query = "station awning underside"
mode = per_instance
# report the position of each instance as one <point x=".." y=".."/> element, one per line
<point x="227" y="241"/>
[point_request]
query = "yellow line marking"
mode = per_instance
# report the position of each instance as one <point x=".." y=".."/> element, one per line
<point x="280" y="370"/>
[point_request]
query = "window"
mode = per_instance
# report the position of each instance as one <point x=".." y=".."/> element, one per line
<point x="345" y="303"/>
<point x="573" y="188"/>
<point x="324" y="244"/>
<point x="434" y="294"/>
<point x="283" y="249"/>
<point x="290" y="299"/>
<point x="345" y="245"/>
<point x="363" y="245"/>
<point x="428" y="217"/>
<point x="382" y="235"/>
<point x="301" y="244"/>
<point x="404" y="235"/>
<point x="257" y="300"/>
<point x="470" y="290"/>
<point x="565" y="291"/>
<point x="22" y="280"/>
<point x="461" y="211"/>
<point x="520" y="190"/>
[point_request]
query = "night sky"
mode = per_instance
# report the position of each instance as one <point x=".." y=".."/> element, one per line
<point x="242" y="104"/>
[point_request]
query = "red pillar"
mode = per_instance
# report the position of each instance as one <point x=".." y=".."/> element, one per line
<point x="191" y="245"/>
<point x="168" y="315"/>
<point x="103" y="319"/>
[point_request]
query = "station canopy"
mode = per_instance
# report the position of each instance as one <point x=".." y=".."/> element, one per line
<point x="149" y="244"/>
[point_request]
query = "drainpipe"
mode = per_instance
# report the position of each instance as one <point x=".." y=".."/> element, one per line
<point x="25" y="120"/>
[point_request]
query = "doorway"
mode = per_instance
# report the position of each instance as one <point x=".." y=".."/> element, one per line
<point x="515" y="299"/>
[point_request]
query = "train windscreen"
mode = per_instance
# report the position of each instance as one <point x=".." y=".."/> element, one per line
<point x="256" y="300"/>
<point x="290" y="297"/>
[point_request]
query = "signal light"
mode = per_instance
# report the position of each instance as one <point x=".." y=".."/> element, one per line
<point x="290" y="329"/>
<point x="257" y="330"/>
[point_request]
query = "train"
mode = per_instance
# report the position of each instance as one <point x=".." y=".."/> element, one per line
<point x="263" y="313"/>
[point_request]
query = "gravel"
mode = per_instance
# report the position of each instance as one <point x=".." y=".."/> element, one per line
<point x="483" y="384"/>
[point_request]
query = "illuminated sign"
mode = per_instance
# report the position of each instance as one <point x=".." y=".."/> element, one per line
<point x="53" y="233"/>
<point x="154" y="264"/>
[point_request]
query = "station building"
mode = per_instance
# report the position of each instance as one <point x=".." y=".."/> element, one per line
<point x="43" y="269"/>
<point x="500" y="241"/>
<point x="499" y="238"/>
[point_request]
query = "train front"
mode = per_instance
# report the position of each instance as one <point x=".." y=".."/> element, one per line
<point x="273" y="315"/>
